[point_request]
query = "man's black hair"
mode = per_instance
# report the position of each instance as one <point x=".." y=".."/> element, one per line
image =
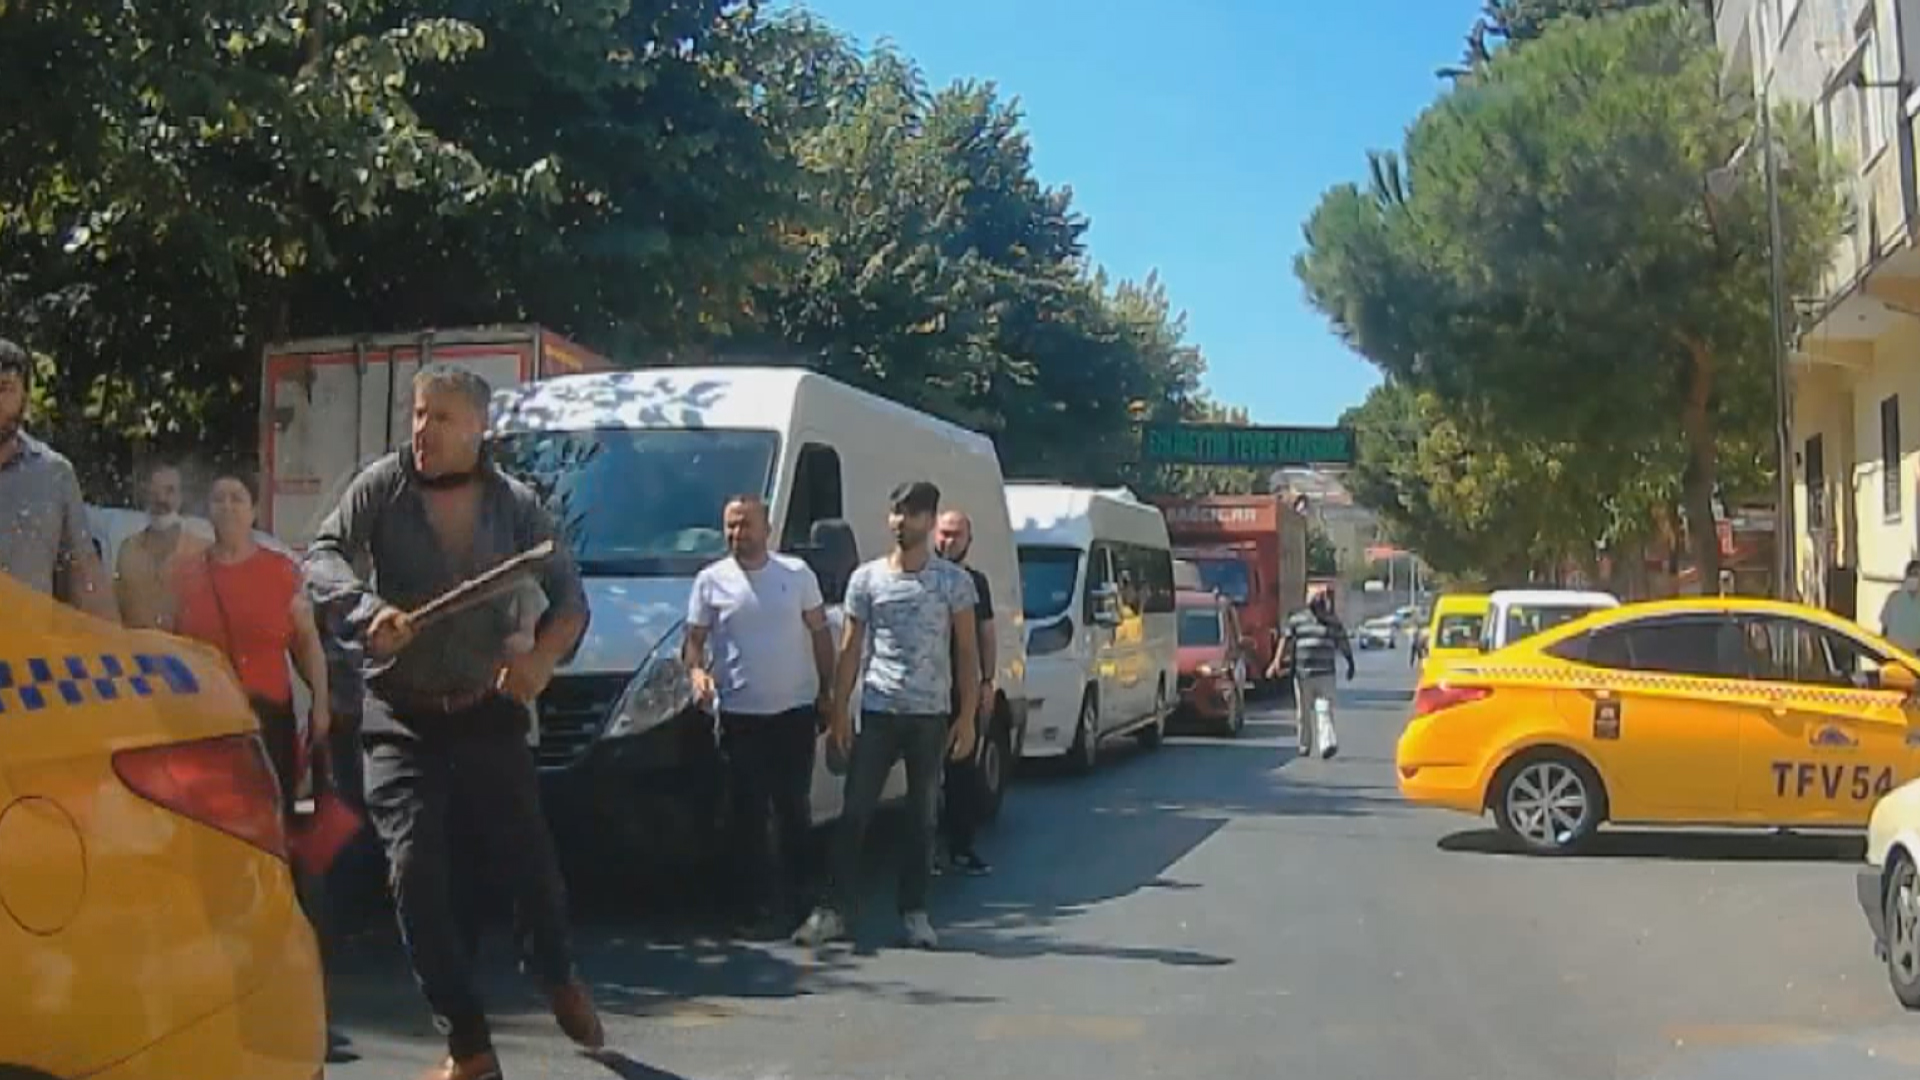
<point x="916" y="497"/>
<point x="14" y="360"/>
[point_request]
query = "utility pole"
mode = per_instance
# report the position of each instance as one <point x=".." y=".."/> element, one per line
<point x="1784" y="537"/>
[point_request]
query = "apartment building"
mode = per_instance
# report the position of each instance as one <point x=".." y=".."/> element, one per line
<point x="1854" y="363"/>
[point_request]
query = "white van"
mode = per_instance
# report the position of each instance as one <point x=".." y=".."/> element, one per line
<point x="638" y="466"/>
<point x="1102" y="641"/>
<point x="1517" y="614"/>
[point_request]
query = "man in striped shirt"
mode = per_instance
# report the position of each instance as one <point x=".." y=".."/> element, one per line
<point x="1315" y="641"/>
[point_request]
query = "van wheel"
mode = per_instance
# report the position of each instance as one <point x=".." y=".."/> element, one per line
<point x="995" y="754"/>
<point x="1152" y="736"/>
<point x="1084" y="754"/>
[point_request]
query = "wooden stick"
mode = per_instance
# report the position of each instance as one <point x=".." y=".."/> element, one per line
<point x="478" y="589"/>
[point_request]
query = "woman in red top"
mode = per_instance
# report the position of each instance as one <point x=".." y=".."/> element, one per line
<point x="247" y="601"/>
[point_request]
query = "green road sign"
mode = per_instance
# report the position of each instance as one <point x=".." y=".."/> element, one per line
<point x="1258" y="447"/>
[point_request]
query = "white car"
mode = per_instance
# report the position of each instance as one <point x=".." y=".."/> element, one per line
<point x="1375" y="634"/>
<point x="1890" y="888"/>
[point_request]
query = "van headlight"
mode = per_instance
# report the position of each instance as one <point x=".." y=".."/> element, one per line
<point x="657" y="693"/>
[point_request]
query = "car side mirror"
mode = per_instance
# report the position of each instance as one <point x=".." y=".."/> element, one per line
<point x="1899" y="677"/>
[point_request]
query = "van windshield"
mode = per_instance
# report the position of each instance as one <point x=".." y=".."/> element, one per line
<point x="1225" y="576"/>
<point x="1524" y="622"/>
<point x="1198" y="627"/>
<point x="640" y="503"/>
<point x="1047" y="577"/>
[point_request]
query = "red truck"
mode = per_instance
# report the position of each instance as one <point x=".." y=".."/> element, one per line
<point x="1253" y="549"/>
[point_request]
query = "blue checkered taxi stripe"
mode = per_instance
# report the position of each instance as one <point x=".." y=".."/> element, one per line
<point x="1593" y="679"/>
<point x="39" y="683"/>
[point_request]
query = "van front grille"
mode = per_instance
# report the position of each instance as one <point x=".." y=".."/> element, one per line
<point x="573" y="711"/>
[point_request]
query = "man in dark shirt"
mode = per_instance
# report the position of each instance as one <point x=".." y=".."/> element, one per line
<point x="965" y="780"/>
<point x="445" y="716"/>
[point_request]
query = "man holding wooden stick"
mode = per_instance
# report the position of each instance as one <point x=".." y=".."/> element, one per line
<point x="446" y="712"/>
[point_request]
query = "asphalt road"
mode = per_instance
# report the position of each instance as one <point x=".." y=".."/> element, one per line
<point x="1223" y="910"/>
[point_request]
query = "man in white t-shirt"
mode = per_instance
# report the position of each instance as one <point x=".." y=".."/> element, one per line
<point x="757" y="645"/>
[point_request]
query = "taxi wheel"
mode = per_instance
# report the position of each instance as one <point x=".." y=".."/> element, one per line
<point x="1902" y="922"/>
<point x="1550" y="802"/>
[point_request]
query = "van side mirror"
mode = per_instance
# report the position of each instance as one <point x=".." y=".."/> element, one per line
<point x="1105" y="601"/>
<point x="1899" y="677"/>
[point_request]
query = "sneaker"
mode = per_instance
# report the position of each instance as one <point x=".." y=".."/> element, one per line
<point x="919" y="930"/>
<point x="970" y="863"/>
<point x="824" y="925"/>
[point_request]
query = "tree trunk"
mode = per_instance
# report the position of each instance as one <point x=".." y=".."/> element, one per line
<point x="1696" y="421"/>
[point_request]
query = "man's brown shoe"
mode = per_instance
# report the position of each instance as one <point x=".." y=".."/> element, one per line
<point x="477" y="1067"/>
<point x="573" y="1007"/>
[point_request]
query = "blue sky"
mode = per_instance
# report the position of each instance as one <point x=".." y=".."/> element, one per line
<point x="1197" y="137"/>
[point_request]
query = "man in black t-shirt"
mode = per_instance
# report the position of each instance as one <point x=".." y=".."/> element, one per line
<point x="966" y="783"/>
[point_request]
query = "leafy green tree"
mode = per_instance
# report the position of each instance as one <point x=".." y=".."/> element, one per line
<point x="1323" y="559"/>
<point x="934" y="266"/>
<point x="1550" y="265"/>
<point x="1512" y="23"/>
<point x="188" y="181"/>
<point x="183" y="183"/>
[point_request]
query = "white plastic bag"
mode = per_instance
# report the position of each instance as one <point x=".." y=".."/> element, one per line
<point x="1324" y="736"/>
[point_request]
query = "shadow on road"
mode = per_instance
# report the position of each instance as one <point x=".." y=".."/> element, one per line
<point x="1363" y="698"/>
<point x="1063" y="847"/>
<point x="1076" y="843"/>
<point x="1684" y="846"/>
<point x="626" y="1068"/>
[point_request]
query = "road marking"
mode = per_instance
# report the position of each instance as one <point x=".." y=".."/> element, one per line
<point x="1720" y="1035"/>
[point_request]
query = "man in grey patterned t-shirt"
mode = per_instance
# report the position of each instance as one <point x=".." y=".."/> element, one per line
<point x="909" y="627"/>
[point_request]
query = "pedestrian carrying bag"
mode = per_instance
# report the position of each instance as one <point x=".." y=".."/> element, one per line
<point x="1324" y="736"/>
<point x="313" y="840"/>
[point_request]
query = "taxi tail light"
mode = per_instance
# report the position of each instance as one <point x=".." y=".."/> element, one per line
<point x="1433" y="699"/>
<point x="226" y="783"/>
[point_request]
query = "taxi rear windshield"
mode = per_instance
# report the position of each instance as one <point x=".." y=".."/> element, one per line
<point x="1458" y="631"/>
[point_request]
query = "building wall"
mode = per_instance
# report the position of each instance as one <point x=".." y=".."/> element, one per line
<point x="1857" y="352"/>
<point x="1886" y="535"/>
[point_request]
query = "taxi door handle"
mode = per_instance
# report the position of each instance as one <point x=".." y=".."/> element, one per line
<point x="1777" y="708"/>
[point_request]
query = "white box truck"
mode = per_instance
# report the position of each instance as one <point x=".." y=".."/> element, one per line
<point x="330" y="405"/>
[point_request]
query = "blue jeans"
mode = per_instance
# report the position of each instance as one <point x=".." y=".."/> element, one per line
<point x="885" y="738"/>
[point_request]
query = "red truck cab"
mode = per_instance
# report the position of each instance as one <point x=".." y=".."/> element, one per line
<point x="1250" y="549"/>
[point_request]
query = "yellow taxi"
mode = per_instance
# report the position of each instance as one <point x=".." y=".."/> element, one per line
<point x="1453" y="633"/>
<point x="1720" y="711"/>
<point x="148" y="924"/>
